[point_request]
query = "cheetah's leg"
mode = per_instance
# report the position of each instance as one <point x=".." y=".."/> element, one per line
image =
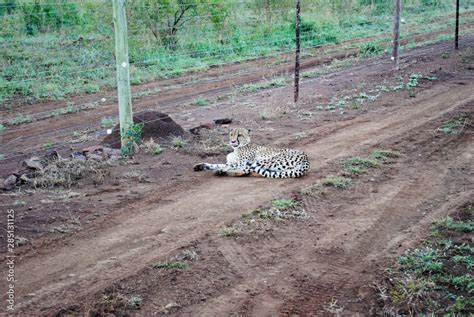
<point x="209" y="167"/>
<point x="234" y="169"/>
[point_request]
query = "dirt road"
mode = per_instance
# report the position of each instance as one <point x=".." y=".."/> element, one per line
<point x="339" y="255"/>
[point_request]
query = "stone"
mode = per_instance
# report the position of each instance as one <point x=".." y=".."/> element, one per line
<point x="10" y="181"/>
<point x="95" y="157"/>
<point x="93" y="149"/>
<point x="33" y="163"/>
<point x="223" y="121"/>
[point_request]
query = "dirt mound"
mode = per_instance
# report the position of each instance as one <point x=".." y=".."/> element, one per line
<point x="157" y="125"/>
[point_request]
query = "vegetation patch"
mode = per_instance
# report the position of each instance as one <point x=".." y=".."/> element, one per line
<point x="317" y="188"/>
<point x="284" y="203"/>
<point x="274" y="83"/>
<point x="67" y="172"/>
<point x="229" y="232"/>
<point x="170" y="265"/>
<point x="358" y="165"/>
<point x="385" y="156"/>
<point x="455" y="126"/>
<point x="437" y="277"/>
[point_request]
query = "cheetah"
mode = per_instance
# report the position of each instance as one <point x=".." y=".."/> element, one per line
<point x="249" y="159"/>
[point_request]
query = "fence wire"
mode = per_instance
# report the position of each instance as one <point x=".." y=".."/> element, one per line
<point x="52" y="50"/>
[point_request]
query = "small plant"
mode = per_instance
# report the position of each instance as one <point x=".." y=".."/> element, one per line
<point x="445" y="55"/>
<point x="170" y="265"/>
<point x="201" y="102"/>
<point x="20" y="120"/>
<point x="369" y="49"/>
<point x="19" y="241"/>
<point x="333" y="307"/>
<point x="313" y="190"/>
<point x="284" y="204"/>
<point x="385" y="156"/>
<point x="336" y="181"/>
<point x="133" y="136"/>
<point x="358" y="165"/>
<point x="107" y="122"/>
<point x="2" y="128"/>
<point x="47" y="146"/>
<point x="134" y="301"/>
<point x="412" y="95"/>
<point x="460" y="226"/>
<point x="178" y="142"/>
<point x="189" y="255"/>
<point x="152" y="148"/>
<point x="413" y="81"/>
<point x="2" y="157"/>
<point x="229" y="232"/>
<point x="455" y="126"/>
<point x="274" y="83"/>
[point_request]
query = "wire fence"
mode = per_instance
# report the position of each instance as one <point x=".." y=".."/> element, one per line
<point x="54" y="50"/>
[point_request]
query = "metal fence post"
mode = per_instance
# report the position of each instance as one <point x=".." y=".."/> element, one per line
<point x="396" y="35"/>
<point x="297" y="55"/>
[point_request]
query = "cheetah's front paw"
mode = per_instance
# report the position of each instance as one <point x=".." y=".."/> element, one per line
<point x="199" y="167"/>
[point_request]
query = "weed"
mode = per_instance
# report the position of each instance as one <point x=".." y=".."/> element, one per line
<point x="274" y="83"/>
<point x="67" y="172"/>
<point x="412" y="95"/>
<point x="61" y="229"/>
<point x="134" y="301"/>
<point x="455" y="126"/>
<point x="19" y="203"/>
<point x="2" y="128"/>
<point x="333" y="307"/>
<point x="178" y="142"/>
<point x="20" y="119"/>
<point x="466" y="55"/>
<point x="385" y="156"/>
<point x="229" y="232"/>
<point x="19" y="241"/>
<point x="461" y="226"/>
<point x="284" y="204"/>
<point x="358" y="165"/>
<point x="445" y="55"/>
<point x="201" y="102"/>
<point x="107" y="122"/>
<point x="47" y="146"/>
<point x="336" y="181"/>
<point x="369" y="49"/>
<point x="413" y="81"/>
<point x="133" y="137"/>
<point x="152" y="148"/>
<point x="189" y="255"/>
<point x="170" y="265"/>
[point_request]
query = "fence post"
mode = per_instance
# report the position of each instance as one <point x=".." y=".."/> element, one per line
<point x="123" y="72"/>
<point x="396" y="35"/>
<point x="456" y="34"/>
<point x="297" y="55"/>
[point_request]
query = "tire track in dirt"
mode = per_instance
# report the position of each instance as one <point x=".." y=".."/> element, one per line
<point x="152" y="231"/>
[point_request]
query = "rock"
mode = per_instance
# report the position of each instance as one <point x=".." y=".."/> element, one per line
<point x="109" y="151"/>
<point x="115" y="157"/>
<point x="33" y="163"/>
<point x="172" y="305"/>
<point x="95" y="157"/>
<point x="223" y="121"/>
<point x="10" y="181"/>
<point x="95" y="149"/>
<point x="24" y="178"/>
<point x="78" y="156"/>
<point x="52" y="155"/>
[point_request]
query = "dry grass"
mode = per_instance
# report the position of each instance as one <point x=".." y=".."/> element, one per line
<point x="67" y="172"/>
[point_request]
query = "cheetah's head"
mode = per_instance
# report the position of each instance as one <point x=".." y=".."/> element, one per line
<point x="239" y="137"/>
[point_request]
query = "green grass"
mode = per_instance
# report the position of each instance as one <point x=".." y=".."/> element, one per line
<point x="108" y="122"/>
<point x="47" y="146"/>
<point x="284" y="204"/>
<point x="20" y="119"/>
<point x="384" y="156"/>
<point x="358" y="165"/>
<point x="134" y="301"/>
<point x="2" y="128"/>
<point x="201" y="102"/>
<point x="170" y="265"/>
<point x="455" y="126"/>
<point x="436" y="278"/>
<point x="274" y="83"/>
<point x="229" y="232"/>
<point x="179" y="143"/>
<point x="52" y="51"/>
<point x="336" y="181"/>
